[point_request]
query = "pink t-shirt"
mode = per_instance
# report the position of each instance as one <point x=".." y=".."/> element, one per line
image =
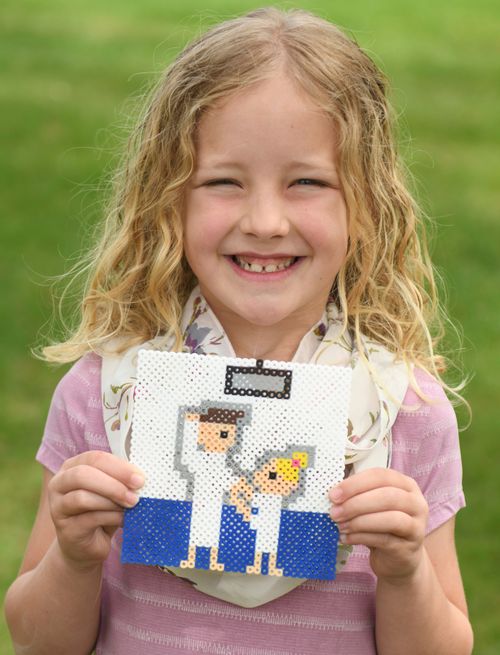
<point x="147" y="611"/>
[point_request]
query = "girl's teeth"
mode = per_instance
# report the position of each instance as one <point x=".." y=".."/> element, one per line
<point x="258" y="268"/>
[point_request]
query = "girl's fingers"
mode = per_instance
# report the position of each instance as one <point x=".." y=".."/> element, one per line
<point x="117" y="468"/>
<point x="394" y="523"/>
<point x="88" y="536"/>
<point x="377" y="500"/>
<point x="385" y="511"/>
<point x="81" y="501"/>
<point x="110" y="529"/>
<point x="86" y="498"/>
<point x="85" y="524"/>
<point x="369" y="480"/>
<point x="87" y="478"/>
<point x="380" y="540"/>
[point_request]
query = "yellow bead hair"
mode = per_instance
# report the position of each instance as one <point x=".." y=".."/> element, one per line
<point x="288" y="468"/>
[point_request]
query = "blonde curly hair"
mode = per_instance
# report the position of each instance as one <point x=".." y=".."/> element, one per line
<point x="137" y="275"/>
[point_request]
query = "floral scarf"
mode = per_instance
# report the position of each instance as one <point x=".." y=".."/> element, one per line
<point x="379" y="384"/>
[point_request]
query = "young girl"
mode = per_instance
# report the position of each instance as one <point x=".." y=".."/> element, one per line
<point x="262" y="185"/>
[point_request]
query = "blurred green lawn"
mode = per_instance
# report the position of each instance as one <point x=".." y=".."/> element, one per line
<point x="69" y="71"/>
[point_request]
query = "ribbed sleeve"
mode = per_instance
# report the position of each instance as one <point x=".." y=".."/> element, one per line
<point x="74" y="423"/>
<point x="426" y="447"/>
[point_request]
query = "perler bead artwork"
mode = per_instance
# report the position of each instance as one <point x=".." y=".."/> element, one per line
<point x="239" y="456"/>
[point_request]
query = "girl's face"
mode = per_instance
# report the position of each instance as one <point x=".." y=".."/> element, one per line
<point x="265" y="220"/>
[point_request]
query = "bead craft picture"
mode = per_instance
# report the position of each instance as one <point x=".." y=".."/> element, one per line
<point x="239" y="456"/>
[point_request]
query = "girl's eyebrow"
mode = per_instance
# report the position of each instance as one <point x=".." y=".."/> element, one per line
<point x="320" y="168"/>
<point x="315" y="165"/>
<point x="219" y="164"/>
<point x="209" y="165"/>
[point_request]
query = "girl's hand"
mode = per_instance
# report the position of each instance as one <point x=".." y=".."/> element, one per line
<point x="385" y="511"/>
<point x="87" y="497"/>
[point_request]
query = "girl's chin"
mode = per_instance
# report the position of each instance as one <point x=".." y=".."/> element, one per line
<point x="261" y="314"/>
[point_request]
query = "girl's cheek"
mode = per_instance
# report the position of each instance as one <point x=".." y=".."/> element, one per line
<point x="219" y="211"/>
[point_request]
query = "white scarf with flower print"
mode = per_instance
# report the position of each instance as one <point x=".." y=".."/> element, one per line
<point x="379" y="385"/>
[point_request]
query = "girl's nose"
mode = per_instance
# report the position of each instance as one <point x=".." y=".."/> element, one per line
<point x="264" y="216"/>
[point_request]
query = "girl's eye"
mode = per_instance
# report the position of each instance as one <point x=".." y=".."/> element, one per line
<point x="306" y="181"/>
<point x="224" y="181"/>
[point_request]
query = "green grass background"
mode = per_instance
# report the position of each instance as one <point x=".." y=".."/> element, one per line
<point x="69" y="70"/>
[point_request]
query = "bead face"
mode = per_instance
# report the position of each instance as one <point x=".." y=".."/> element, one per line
<point x="236" y="482"/>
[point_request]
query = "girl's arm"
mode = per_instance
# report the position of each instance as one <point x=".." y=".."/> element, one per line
<point x="53" y="606"/>
<point x="420" y="603"/>
<point x="432" y="604"/>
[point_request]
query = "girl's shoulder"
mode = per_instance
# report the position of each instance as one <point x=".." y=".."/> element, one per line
<point x="89" y="365"/>
<point x="74" y="423"/>
<point x="426" y="404"/>
<point x="82" y="378"/>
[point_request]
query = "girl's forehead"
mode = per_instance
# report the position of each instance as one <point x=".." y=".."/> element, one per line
<point x="278" y="87"/>
<point x="272" y="116"/>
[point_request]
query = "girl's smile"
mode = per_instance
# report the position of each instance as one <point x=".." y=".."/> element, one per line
<point x="267" y="268"/>
<point x="265" y="219"/>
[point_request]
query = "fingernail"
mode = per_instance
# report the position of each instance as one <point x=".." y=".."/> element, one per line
<point x="343" y="538"/>
<point x="131" y="499"/>
<point x="336" y="494"/>
<point x="137" y="480"/>
<point x="336" y="512"/>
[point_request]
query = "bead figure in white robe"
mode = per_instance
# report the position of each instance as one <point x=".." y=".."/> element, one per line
<point x="261" y="502"/>
<point x="205" y="456"/>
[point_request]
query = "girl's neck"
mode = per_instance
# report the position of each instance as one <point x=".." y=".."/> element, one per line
<point x="278" y="342"/>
